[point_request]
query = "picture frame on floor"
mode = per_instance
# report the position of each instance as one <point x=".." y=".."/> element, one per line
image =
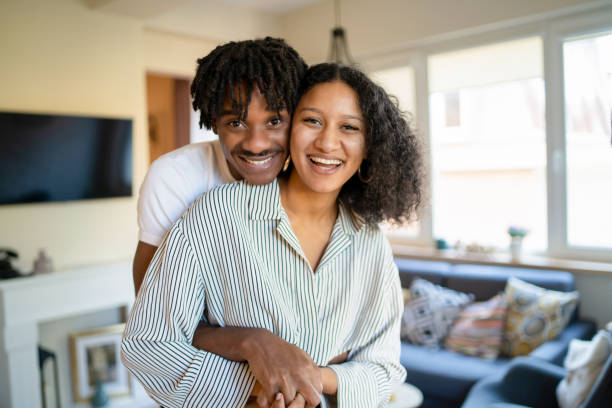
<point x="96" y="355"/>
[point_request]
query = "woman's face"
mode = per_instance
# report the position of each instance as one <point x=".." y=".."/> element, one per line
<point x="327" y="137"/>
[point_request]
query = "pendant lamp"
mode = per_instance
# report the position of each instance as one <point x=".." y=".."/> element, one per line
<point x="339" y="51"/>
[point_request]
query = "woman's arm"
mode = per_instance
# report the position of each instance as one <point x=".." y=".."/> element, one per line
<point x="156" y="346"/>
<point x="330" y="381"/>
<point x="366" y="379"/>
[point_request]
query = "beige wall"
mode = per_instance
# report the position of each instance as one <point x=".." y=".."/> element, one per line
<point x="376" y="26"/>
<point x="172" y="54"/>
<point x="61" y="57"/>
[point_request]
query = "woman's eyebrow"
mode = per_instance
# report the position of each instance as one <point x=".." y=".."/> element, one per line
<point x="307" y="108"/>
<point x="320" y="112"/>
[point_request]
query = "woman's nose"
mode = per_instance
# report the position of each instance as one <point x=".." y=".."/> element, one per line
<point x="328" y="139"/>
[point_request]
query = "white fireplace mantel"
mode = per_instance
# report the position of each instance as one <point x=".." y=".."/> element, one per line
<point x="26" y="302"/>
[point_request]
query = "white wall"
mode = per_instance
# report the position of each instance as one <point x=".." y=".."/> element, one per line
<point x="595" y="300"/>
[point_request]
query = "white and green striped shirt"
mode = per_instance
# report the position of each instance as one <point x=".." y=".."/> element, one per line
<point x="234" y="260"/>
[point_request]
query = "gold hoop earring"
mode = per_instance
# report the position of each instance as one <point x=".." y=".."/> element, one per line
<point x="286" y="165"/>
<point x="363" y="179"/>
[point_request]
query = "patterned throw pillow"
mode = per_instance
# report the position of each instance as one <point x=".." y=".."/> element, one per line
<point x="479" y="329"/>
<point x="535" y="315"/>
<point x="429" y="312"/>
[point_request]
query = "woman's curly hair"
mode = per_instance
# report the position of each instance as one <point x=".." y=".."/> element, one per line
<point x="270" y="63"/>
<point x="393" y="168"/>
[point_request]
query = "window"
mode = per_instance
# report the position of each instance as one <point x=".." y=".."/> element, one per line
<point x="488" y="142"/>
<point x="516" y="118"/>
<point x="587" y="66"/>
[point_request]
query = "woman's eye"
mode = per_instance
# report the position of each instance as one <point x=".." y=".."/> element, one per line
<point x="350" y="127"/>
<point x="314" y="121"/>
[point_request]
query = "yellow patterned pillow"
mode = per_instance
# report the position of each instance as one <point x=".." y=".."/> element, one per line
<point x="535" y="315"/>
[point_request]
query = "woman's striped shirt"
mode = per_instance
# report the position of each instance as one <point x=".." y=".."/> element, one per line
<point x="234" y="260"/>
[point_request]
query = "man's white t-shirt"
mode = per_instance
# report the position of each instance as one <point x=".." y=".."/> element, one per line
<point x="173" y="182"/>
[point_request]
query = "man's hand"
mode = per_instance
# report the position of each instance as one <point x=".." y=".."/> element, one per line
<point x="279" y="400"/>
<point x="280" y="366"/>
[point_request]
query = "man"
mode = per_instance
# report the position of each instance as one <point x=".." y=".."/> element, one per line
<point x="245" y="92"/>
<point x="253" y="130"/>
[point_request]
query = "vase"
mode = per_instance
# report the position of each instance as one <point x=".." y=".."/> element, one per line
<point x="100" y="398"/>
<point x="516" y="247"/>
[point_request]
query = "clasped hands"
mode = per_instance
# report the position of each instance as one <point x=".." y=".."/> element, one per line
<point x="286" y="375"/>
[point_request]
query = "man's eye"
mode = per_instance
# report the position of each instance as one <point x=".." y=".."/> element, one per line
<point x="275" y="121"/>
<point x="234" y="123"/>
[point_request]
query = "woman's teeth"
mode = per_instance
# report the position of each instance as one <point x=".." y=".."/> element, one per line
<point x="321" y="160"/>
<point x="258" y="162"/>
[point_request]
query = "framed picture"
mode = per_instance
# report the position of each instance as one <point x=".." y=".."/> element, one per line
<point x="95" y="355"/>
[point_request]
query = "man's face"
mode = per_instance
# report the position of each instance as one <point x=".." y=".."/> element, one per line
<point x="255" y="148"/>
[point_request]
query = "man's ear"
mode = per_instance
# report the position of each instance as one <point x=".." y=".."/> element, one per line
<point x="214" y="127"/>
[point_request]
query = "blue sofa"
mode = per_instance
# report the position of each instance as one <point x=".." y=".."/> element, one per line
<point x="445" y="377"/>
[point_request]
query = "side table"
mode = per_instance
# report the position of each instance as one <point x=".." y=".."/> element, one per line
<point x="406" y="396"/>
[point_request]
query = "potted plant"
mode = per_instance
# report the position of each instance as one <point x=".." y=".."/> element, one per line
<point x="516" y="241"/>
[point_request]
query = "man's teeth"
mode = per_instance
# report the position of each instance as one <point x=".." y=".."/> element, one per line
<point x="325" y="161"/>
<point x="258" y="162"/>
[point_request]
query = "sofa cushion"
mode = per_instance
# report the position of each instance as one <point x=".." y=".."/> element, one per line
<point x="430" y="311"/>
<point x="535" y="315"/>
<point x="479" y="328"/>
<point x="485" y="281"/>
<point x="443" y="373"/>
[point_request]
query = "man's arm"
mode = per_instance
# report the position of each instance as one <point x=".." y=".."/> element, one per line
<point x="277" y="365"/>
<point x="142" y="259"/>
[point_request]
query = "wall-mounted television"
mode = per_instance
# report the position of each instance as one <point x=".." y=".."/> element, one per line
<point x="45" y="158"/>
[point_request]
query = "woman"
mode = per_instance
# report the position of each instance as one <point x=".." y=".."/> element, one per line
<point x="301" y="257"/>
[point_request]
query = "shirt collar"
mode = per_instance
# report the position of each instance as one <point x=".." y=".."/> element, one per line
<point x="350" y="221"/>
<point x="265" y="204"/>
<point x="264" y="201"/>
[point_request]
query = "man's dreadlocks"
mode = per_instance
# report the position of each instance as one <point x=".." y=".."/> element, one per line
<point x="269" y="63"/>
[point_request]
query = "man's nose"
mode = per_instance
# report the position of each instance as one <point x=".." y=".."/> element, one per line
<point x="257" y="140"/>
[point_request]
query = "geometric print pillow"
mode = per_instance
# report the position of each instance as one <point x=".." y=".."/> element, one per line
<point x="535" y="315"/>
<point x="430" y="311"/>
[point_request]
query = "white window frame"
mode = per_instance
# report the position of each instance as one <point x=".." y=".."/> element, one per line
<point x="553" y="28"/>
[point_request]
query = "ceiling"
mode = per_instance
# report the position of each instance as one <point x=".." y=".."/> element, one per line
<point x="145" y="9"/>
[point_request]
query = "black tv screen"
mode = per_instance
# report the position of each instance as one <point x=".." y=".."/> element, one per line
<point x="47" y="158"/>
